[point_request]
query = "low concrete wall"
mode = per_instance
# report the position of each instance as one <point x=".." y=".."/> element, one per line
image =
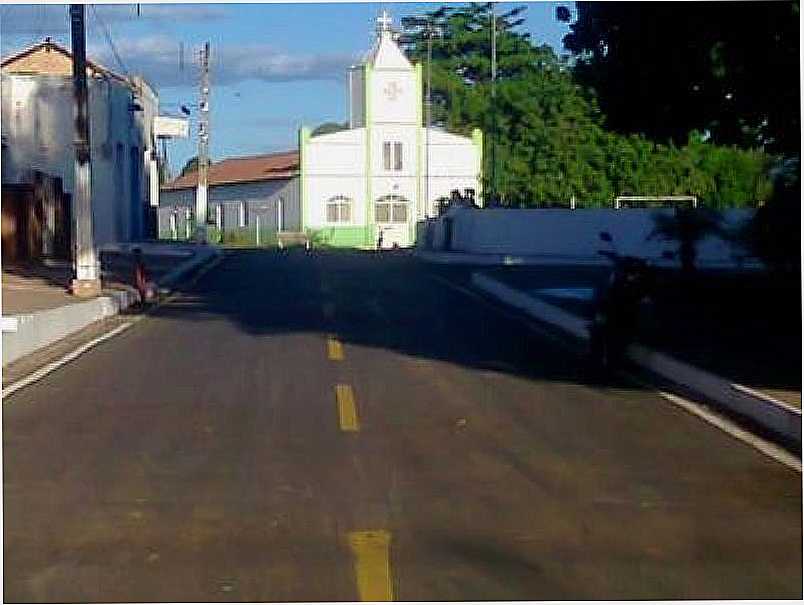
<point x="569" y="233"/>
<point x="37" y="330"/>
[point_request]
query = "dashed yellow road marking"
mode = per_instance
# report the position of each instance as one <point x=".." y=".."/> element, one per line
<point x="372" y="564"/>
<point x="334" y="349"/>
<point x="347" y="411"/>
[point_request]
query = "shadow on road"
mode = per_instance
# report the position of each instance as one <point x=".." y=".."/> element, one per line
<point x="382" y="300"/>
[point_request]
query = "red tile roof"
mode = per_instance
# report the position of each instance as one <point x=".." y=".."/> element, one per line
<point x="268" y="167"/>
<point x="47" y="46"/>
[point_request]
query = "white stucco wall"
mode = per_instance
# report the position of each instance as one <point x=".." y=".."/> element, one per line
<point x="393" y="96"/>
<point x="38" y="132"/>
<point x="575" y="233"/>
<point x="335" y="164"/>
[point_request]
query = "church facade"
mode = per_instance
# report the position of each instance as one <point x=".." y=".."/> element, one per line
<point x="366" y="186"/>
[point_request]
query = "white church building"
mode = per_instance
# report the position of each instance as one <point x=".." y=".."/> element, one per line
<point x="368" y="185"/>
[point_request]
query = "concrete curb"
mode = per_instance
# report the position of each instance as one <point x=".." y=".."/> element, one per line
<point x="770" y="414"/>
<point x="37" y="330"/>
<point x="545" y="312"/>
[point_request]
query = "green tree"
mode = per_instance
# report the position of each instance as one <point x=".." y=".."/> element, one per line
<point x="329" y="127"/>
<point x="190" y="166"/>
<point x="545" y="132"/>
<point x="666" y="68"/>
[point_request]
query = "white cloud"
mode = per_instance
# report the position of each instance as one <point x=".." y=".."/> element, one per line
<point x="53" y="19"/>
<point x="157" y="59"/>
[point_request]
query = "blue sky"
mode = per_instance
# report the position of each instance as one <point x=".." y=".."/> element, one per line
<point x="274" y="66"/>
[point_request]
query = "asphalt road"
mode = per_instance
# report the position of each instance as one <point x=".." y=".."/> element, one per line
<point x="204" y="455"/>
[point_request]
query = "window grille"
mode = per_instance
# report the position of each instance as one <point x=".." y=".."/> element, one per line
<point x="391" y="209"/>
<point x="339" y="209"/>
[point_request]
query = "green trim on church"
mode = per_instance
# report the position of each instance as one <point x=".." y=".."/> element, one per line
<point x="369" y="229"/>
<point x="477" y="139"/>
<point x="342" y="237"/>
<point x="421" y="203"/>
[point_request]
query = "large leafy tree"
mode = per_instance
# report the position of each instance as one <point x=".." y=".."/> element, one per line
<point x="666" y="68"/>
<point x="545" y="132"/>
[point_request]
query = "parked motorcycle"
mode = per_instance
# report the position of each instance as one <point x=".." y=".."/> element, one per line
<point x="617" y="304"/>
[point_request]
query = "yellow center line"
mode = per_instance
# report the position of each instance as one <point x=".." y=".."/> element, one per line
<point x="372" y="564"/>
<point x="347" y="411"/>
<point x="334" y="349"/>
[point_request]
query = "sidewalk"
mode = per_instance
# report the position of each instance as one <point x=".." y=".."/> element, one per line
<point x="749" y="368"/>
<point x="38" y="309"/>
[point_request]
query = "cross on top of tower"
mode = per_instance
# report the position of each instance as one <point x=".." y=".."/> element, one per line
<point x="384" y="22"/>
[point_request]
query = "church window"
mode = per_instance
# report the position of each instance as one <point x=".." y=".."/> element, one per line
<point x="390" y="159"/>
<point x="386" y="155"/>
<point x="391" y="209"/>
<point x="383" y="212"/>
<point x="399" y="213"/>
<point x="339" y="209"/>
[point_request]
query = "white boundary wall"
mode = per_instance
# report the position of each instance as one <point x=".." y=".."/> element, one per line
<point x="572" y="233"/>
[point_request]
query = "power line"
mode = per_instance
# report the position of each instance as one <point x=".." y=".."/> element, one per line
<point x="108" y="35"/>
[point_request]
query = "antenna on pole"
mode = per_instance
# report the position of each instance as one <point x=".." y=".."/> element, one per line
<point x="203" y="150"/>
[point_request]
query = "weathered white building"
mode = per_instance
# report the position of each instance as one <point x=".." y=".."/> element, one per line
<point x="38" y="133"/>
<point x="372" y="182"/>
<point x="245" y="194"/>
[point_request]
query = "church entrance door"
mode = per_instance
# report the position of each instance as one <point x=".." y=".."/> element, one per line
<point x="392" y="213"/>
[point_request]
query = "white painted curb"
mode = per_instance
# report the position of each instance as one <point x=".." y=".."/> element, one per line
<point x="542" y="311"/>
<point x="767" y="412"/>
<point x="38" y="330"/>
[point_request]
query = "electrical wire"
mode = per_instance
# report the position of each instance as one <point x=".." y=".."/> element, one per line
<point x="108" y="35"/>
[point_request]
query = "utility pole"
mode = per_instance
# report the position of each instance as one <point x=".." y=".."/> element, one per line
<point x="203" y="150"/>
<point x="493" y="104"/>
<point x="86" y="282"/>
<point x="429" y="119"/>
<point x="426" y="26"/>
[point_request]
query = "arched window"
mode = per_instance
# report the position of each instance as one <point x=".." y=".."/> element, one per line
<point x="391" y="209"/>
<point x="339" y="209"/>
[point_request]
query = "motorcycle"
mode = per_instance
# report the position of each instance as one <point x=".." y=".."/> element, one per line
<point x="617" y="304"/>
